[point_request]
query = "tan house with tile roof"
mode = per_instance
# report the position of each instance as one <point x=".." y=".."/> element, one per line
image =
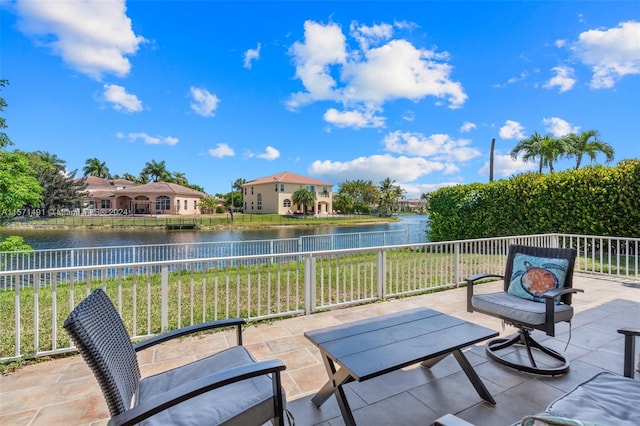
<point x="124" y="197"/>
<point x="272" y="194"/>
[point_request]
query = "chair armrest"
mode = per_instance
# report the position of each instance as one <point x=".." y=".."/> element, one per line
<point x="630" y="335"/>
<point x="550" y="310"/>
<point x="471" y="281"/>
<point x="237" y="322"/>
<point x="197" y="387"/>
<point x="478" y="277"/>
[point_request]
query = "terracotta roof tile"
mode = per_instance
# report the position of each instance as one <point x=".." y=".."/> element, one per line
<point x="287" y="177"/>
<point x="161" y="188"/>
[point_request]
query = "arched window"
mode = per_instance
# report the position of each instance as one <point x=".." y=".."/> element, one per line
<point x="286" y="203"/>
<point x="163" y="203"/>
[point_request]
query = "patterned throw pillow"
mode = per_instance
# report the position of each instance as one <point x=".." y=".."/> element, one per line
<point x="533" y="276"/>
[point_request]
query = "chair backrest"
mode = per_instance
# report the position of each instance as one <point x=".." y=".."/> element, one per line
<point x="101" y="337"/>
<point x="556" y="253"/>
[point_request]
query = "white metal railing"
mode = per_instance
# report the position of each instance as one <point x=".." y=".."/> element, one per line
<point x="160" y="295"/>
<point x="88" y="256"/>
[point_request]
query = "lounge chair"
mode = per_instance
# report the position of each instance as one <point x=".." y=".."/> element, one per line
<point x="229" y="387"/>
<point x="536" y="295"/>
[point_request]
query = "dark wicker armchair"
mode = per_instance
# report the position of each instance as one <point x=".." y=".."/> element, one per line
<point x="229" y="387"/>
<point x="538" y="284"/>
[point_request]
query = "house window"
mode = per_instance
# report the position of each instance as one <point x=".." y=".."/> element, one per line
<point x="185" y="205"/>
<point x="286" y="203"/>
<point x="282" y="187"/>
<point x="259" y="201"/>
<point x="195" y="204"/>
<point x="312" y="188"/>
<point x="105" y="204"/>
<point x="276" y="187"/>
<point x="163" y="203"/>
<point x="252" y="190"/>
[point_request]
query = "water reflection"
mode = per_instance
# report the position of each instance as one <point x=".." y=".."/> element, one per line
<point x="58" y="238"/>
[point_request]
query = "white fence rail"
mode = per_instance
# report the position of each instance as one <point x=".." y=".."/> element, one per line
<point x="115" y="255"/>
<point x="157" y="296"/>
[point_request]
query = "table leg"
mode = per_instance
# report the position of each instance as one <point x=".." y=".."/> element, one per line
<point x="334" y="386"/>
<point x="473" y="377"/>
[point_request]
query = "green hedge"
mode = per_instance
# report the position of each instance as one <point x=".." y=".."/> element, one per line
<point x="595" y="200"/>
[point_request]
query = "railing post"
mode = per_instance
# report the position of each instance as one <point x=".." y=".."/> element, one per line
<point x="382" y="274"/>
<point x="164" y="298"/>
<point x="309" y="284"/>
<point x="456" y="268"/>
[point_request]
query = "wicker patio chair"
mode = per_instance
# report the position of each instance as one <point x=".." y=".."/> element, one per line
<point x="229" y="387"/>
<point x="538" y="284"/>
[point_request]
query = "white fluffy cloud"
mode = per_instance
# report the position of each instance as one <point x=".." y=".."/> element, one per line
<point x="149" y="140"/>
<point x="564" y="79"/>
<point x="559" y="127"/>
<point x="92" y="36"/>
<point x="511" y="130"/>
<point x="376" y="168"/>
<point x="380" y="69"/>
<point x="611" y="53"/>
<point x="355" y="119"/>
<point x="467" y="127"/>
<point x="204" y="103"/>
<point x="439" y="146"/>
<point x="269" y="154"/>
<point x="250" y="56"/>
<point x="221" y="150"/>
<point x="120" y="99"/>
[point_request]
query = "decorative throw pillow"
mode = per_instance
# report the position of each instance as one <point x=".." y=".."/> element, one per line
<point x="533" y="276"/>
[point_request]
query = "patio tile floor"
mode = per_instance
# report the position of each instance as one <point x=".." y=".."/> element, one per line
<point x="64" y="392"/>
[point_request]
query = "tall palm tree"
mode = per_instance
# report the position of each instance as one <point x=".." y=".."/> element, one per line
<point x="179" y="178"/>
<point x="95" y="167"/>
<point x="237" y="185"/>
<point x="304" y="197"/>
<point x="588" y="143"/>
<point x="553" y="149"/>
<point x="156" y="170"/>
<point x="530" y="148"/>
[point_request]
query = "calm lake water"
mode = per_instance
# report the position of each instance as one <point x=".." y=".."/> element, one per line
<point x="55" y="239"/>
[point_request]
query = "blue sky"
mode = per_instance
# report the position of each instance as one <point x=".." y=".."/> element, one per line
<point x="413" y="91"/>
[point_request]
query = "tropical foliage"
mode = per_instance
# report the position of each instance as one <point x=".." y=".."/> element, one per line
<point x="95" y="167"/>
<point x="303" y="197"/>
<point x="60" y="188"/>
<point x="546" y="150"/>
<point x="364" y="194"/>
<point x="595" y="200"/>
<point x="389" y="196"/>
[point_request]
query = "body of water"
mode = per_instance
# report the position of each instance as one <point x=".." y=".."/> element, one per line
<point x="41" y="239"/>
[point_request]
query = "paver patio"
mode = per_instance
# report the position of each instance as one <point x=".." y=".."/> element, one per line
<point x="64" y="392"/>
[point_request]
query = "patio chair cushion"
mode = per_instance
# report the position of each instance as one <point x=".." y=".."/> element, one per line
<point x="533" y="276"/>
<point x="252" y="398"/>
<point x="506" y="305"/>
<point x="604" y="399"/>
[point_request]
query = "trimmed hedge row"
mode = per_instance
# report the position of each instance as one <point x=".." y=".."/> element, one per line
<point x="594" y="200"/>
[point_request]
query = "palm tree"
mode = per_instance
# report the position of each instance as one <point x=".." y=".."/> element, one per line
<point x="95" y="167"/>
<point x="156" y="170"/>
<point x="530" y="149"/>
<point x="389" y="194"/>
<point x="552" y="149"/>
<point x="238" y="183"/>
<point x="343" y="201"/>
<point x="587" y="142"/>
<point x="179" y="178"/>
<point x="303" y="197"/>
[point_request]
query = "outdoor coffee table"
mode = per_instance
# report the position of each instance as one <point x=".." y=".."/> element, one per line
<point x="368" y="348"/>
